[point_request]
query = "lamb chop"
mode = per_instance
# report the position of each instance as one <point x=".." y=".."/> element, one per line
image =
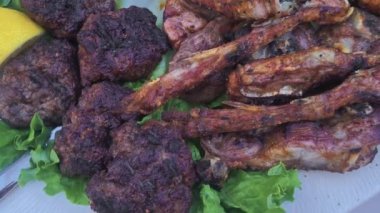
<point x="263" y="10"/>
<point x="363" y="86"/>
<point x="340" y="144"/>
<point x="191" y="71"/>
<point x="294" y="74"/>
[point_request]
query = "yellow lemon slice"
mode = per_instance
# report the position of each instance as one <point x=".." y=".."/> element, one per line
<point x="16" y="29"/>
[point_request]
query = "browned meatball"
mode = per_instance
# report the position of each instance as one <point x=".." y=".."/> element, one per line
<point x="121" y="45"/>
<point x="43" y="79"/>
<point x="152" y="171"/>
<point x="83" y="143"/>
<point x="64" y="18"/>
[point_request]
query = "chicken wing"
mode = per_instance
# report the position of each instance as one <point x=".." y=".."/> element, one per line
<point x="264" y="9"/>
<point x="363" y="86"/>
<point x="343" y="143"/>
<point x="190" y="72"/>
<point x="293" y="74"/>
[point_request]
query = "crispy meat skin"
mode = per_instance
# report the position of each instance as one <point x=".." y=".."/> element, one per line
<point x="152" y="171"/>
<point x="64" y="18"/>
<point x="180" y="22"/>
<point x="82" y="145"/>
<point x="296" y="73"/>
<point x="211" y="36"/>
<point x="120" y="45"/>
<point x="356" y="34"/>
<point x="43" y="79"/>
<point x="193" y="70"/>
<point x="264" y="9"/>
<point x="343" y="143"/>
<point x="371" y="5"/>
<point x="363" y="86"/>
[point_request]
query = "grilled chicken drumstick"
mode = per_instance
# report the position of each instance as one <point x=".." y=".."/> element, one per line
<point x="191" y="71"/>
<point x="293" y="74"/>
<point x="264" y="9"/>
<point x="364" y="86"/>
<point x="339" y="144"/>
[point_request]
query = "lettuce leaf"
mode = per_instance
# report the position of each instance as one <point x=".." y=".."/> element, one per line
<point x="4" y="3"/>
<point x="253" y="192"/>
<point x="248" y="192"/>
<point x="206" y="200"/>
<point x="15" y="142"/>
<point x="44" y="167"/>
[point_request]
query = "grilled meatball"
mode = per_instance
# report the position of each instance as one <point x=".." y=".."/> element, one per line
<point x="43" y="79"/>
<point x="83" y="143"/>
<point x="152" y="171"/>
<point x="64" y="18"/>
<point x="121" y="45"/>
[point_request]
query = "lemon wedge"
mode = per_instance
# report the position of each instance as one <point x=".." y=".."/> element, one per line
<point x="16" y="29"/>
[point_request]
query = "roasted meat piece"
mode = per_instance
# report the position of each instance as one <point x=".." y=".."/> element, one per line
<point x="371" y="5"/>
<point x="64" y="18"/>
<point x="190" y="72"/>
<point x="151" y="171"/>
<point x="263" y="10"/>
<point x="340" y="144"/>
<point x="211" y="36"/>
<point x="120" y="45"/>
<point x="363" y="86"/>
<point x="356" y="34"/>
<point x="182" y="19"/>
<point x="296" y="73"/>
<point x="82" y="144"/>
<point x="43" y="79"/>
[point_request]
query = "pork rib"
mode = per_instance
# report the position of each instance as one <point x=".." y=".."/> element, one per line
<point x="340" y="144"/>
<point x="293" y="74"/>
<point x="191" y="71"/>
<point x="363" y="86"/>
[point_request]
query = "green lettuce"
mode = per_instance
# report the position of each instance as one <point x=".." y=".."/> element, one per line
<point x="206" y="200"/>
<point x="4" y="3"/>
<point x="249" y="192"/>
<point x="15" y="142"/>
<point x="44" y="160"/>
<point x="14" y="4"/>
<point x="253" y="192"/>
<point x="44" y="167"/>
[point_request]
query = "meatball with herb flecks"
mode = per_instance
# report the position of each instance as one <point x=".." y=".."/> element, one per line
<point x="120" y="45"/>
<point x="152" y="171"/>
<point x="64" y="18"/>
<point x="43" y="79"/>
<point x="83" y="143"/>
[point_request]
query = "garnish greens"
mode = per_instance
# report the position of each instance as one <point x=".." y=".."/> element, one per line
<point x="15" y="142"/>
<point x="14" y="4"/>
<point x="44" y="160"/>
<point x="249" y="192"/>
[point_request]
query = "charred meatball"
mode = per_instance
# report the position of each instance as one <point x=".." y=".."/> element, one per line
<point x="152" y="171"/>
<point x="83" y="143"/>
<point x="64" y="18"/>
<point x="43" y="79"/>
<point x="121" y="45"/>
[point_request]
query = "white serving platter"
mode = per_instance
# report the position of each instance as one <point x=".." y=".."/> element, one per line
<point x="321" y="192"/>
